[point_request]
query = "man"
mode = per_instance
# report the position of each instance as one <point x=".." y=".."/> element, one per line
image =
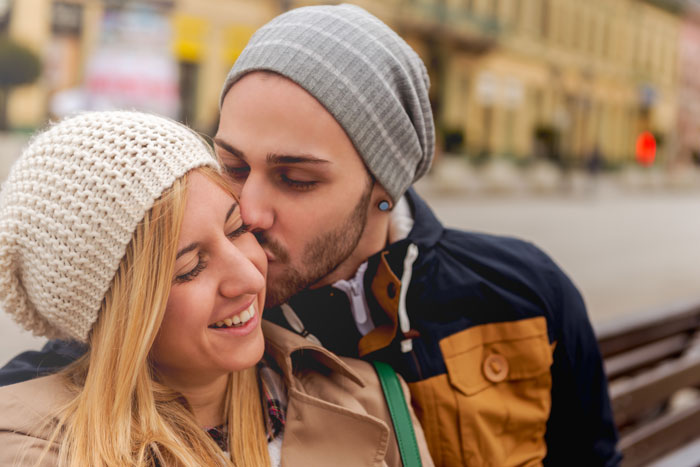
<point x="325" y="124"/>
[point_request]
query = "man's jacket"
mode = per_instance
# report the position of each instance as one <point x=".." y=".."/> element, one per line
<point x="494" y="341"/>
<point x="492" y="337"/>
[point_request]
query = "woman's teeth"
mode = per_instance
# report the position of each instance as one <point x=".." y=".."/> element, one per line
<point x="238" y="320"/>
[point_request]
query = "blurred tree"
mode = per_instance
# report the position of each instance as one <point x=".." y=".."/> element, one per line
<point x="18" y="65"/>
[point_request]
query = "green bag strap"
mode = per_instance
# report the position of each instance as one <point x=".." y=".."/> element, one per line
<point x="403" y="425"/>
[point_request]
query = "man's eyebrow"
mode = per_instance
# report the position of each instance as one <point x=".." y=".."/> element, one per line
<point x="276" y="159"/>
<point x="187" y="249"/>
<point x="228" y="148"/>
<point x="230" y="211"/>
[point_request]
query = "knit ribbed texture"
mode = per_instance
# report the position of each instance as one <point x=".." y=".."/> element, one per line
<point x="364" y="74"/>
<point x="70" y="206"/>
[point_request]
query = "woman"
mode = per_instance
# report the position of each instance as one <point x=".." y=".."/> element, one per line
<point x="117" y="230"/>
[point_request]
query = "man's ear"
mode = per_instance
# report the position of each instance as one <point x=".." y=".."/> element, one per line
<point x="380" y="199"/>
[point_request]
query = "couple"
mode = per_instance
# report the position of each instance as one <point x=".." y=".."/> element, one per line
<point x="325" y="123"/>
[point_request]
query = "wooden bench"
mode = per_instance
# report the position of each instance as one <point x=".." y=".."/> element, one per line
<point x="653" y="367"/>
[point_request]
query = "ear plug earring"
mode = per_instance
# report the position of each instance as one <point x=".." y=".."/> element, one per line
<point x="384" y="205"/>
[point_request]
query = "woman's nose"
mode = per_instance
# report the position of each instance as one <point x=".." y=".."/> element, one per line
<point x="240" y="275"/>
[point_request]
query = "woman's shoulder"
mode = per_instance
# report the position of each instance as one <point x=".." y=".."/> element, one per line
<point x="27" y="409"/>
<point x="33" y="399"/>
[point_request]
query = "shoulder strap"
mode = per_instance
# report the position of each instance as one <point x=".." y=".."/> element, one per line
<point x="400" y="416"/>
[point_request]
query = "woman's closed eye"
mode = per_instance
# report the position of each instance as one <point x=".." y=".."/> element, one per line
<point x="243" y="228"/>
<point x="192" y="273"/>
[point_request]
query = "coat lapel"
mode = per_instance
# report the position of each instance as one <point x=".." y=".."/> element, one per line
<point x="340" y="436"/>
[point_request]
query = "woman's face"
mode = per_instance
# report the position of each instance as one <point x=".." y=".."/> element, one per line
<point x="212" y="320"/>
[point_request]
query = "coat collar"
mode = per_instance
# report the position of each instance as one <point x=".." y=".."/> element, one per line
<point x="325" y="420"/>
<point x="427" y="229"/>
<point x="285" y="347"/>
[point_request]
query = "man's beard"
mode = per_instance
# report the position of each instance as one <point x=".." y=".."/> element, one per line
<point x="321" y="256"/>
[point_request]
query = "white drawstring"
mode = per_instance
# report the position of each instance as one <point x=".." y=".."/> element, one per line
<point x="355" y="290"/>
<point x="296" y="324"/>
<point x="404" y="323"/>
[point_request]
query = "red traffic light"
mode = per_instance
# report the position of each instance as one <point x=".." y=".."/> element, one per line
<point x="646" y="148"/>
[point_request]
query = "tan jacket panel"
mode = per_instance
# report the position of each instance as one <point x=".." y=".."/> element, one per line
<point x="492" y="406"/>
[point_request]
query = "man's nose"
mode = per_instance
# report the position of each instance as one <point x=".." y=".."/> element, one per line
<point x="256" y="204"/>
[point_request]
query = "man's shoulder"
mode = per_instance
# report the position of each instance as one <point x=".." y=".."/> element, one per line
<point x="491" y="253"/>
<point x="55" y="355"/>
<point x="494" y="278"/>
<point x="474" y="248"/>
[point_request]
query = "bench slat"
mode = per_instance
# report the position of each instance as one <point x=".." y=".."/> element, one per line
<point x="660" y="436"/>
<point x="645" y="356"/>
<point x="630" y="332"/>
<point x="631" y="397"/>
<point x="687" y="456"/>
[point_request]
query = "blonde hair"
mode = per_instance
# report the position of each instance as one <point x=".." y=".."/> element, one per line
<point x="121" y="414"/>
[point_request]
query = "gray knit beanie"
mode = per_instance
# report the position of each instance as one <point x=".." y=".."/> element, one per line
<point x="70" y="206"/>
<point x="364" y="74"/>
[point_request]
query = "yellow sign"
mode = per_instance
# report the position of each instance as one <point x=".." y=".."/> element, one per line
<point x="235" y="39"/>
<point x="190" y="34"/>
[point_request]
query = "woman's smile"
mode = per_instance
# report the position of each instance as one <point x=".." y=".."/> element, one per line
<point x="238" y="320"/>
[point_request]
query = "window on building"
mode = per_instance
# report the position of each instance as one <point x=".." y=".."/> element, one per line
<point x="189" y="78"/>
<point x="494" y="10"/>
<point x="606" y="47"/>
<point x="593" y="35"/>
<point x="5" y="12"/>
<point x="544" y="19"/>
<point x="66" y="18"/>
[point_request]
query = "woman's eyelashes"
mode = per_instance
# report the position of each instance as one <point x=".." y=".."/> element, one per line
<point x="194" y="272"/>
<point x="243" y="228"/>
<point x="201" y="264"/>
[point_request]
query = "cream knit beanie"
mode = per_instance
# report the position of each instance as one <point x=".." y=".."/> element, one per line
<point x="70" y="206"/>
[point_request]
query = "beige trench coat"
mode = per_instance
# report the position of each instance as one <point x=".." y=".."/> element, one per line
<point x="336" y="413"/>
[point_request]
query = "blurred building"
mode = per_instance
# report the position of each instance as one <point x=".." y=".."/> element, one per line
<point x="561" y="79"/>
<point x="164" y="56"/>
<point x="689" y="88"/>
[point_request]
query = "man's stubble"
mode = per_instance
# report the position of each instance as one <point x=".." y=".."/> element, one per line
<point x="322" y="255"/>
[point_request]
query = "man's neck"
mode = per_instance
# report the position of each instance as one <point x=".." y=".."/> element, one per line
<point x="373" y="240"/>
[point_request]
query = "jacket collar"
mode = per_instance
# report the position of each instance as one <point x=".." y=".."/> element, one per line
<point x="286" y="347"/>
<point x="427" y="229"/>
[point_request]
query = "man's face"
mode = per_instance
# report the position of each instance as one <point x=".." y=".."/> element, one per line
<point x="303" y="187"/>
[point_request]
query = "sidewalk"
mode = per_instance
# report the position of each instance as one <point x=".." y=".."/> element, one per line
<point x="11" y="146"/>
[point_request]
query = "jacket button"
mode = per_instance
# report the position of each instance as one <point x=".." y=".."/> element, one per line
<point x="495" y="368"/>
<point x="391" y="290"/>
